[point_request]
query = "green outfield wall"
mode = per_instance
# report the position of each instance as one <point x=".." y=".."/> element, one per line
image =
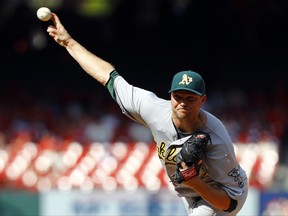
<point x="19" y="203"/>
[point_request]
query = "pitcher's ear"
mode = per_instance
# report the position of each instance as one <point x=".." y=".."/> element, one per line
<point x="204" y="98"/>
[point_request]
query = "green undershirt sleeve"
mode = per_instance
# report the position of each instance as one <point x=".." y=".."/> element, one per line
<point x="110" y="83"/>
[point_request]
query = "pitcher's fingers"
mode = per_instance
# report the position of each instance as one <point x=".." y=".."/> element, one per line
<point x="55" y="20"/>
<point x="51" y="29"/>
<point x="183" y="165"/>
<point x="52" y="34"/>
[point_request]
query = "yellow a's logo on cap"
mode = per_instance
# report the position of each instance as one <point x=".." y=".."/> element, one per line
<point x="186" y="80"/>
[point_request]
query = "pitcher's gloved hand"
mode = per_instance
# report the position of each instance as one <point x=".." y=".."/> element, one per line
<point x="192" y="153"/>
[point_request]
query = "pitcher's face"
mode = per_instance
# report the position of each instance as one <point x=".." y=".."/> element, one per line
<point x="186" y="104"/>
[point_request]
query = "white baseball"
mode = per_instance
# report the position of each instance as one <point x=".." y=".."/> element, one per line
<point x="44" y="13"/>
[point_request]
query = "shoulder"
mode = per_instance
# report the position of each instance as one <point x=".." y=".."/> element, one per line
<point x="143" y="96"/>
<point x="217" y="129"/>
<point x="213" y="122"/>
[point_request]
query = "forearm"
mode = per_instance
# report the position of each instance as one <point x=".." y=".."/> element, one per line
<point x="91" y="64"/>
<point x="217" y="197"/>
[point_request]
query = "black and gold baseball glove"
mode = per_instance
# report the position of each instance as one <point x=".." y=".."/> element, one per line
<point x="192" y="153"/>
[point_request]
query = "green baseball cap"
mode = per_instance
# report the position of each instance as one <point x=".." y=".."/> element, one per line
<point x="189" y="81"/>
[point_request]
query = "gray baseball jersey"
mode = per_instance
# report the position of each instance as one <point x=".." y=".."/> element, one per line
<point x="220" y="169"/>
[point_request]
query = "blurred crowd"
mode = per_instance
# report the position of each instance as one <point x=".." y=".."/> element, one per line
<point x="44" y="130"/>
<point x="249" y="117"/>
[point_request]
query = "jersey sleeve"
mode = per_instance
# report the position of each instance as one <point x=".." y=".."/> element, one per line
<point x="134" y="102"/>
<point x="110" y="83"/>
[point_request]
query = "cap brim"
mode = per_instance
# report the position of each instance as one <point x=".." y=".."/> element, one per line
<point x="185" y="89"/>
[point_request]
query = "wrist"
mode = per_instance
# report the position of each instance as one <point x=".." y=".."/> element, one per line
<point x="189" y="173"/>
<point x="70" y="42"/>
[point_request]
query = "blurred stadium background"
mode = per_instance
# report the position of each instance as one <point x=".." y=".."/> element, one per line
<point x="65" y="147"/>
